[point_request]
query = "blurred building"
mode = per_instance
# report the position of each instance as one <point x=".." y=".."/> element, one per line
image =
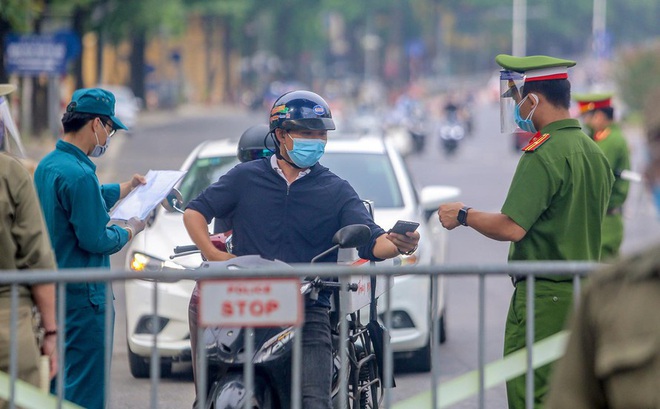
<point x="188" y="68"/>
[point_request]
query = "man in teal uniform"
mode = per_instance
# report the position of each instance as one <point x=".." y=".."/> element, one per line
<point x="76" y="207"/>
<point x="555" y="205"/>
<point x="598" y="117"/>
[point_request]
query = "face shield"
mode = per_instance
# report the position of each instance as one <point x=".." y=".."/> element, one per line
<point x="10" y="138"/>
<point x="511" y="85"/>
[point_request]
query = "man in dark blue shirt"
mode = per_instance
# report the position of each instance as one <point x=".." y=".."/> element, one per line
<point x="288" y="207"/>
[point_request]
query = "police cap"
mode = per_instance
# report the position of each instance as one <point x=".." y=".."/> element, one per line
<point x="590" y="102"/>
<point x="536" y="67"/>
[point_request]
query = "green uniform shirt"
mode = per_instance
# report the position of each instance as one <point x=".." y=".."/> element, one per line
<point x="559" y="195"/>
<point x="615" y="148"/>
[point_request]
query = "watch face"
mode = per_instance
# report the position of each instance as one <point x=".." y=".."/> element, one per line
<point x="462" y="216"/>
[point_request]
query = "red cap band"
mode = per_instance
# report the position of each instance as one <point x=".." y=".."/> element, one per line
<point x="548" y="77"/>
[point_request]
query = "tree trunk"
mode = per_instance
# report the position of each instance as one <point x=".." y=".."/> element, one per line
<point x="80" y="15"/>
<point x="209" y="22"/>
<point x="40" y="93"/>
<point x="226" y="60"/>
<point x="137" y="61"/>
<point x="4" y="30"/>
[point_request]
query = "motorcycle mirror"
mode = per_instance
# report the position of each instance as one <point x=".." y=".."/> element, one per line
<point x="351" y="236"/>
<point x="173" y="202"/>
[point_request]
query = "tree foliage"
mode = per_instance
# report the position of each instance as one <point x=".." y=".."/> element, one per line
<point x="638" y="73"/>
<point x="461" y="35"/>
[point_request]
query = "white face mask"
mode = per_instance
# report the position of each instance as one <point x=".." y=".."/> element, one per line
<point x="99" y="150"/>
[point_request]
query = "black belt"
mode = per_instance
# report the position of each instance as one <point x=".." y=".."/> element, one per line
<point x="614" y="211"/>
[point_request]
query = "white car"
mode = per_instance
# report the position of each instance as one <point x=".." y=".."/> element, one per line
<point x="374" y="169"/>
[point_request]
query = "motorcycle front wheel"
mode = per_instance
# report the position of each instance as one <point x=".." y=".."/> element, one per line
<point x="231" y="393"/>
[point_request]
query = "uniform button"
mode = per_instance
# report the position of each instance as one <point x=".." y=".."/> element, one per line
<point x="555" y="299"/>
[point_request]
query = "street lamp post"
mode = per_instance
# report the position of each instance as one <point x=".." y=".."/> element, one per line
<point x="519" y="30"/>
<point x="598" y="37"/>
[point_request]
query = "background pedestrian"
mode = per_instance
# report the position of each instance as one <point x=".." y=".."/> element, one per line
<point x="597" y="114"/>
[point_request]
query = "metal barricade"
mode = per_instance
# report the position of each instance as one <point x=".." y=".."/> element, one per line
<point x="528" y="269"/>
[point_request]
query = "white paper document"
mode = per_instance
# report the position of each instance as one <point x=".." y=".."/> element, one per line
<point x="144" y="198"/>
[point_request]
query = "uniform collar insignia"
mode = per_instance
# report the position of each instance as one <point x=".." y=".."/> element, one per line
<point x="600" y="136"/>
<point x="536" y="141"/>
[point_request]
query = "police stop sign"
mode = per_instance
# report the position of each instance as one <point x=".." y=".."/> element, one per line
<point x="250" y="302"/>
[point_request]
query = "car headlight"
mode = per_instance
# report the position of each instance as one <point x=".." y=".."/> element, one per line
<point x="143" y="262"/>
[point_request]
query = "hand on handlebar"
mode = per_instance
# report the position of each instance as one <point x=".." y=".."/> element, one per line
<point x="218" y="255"/>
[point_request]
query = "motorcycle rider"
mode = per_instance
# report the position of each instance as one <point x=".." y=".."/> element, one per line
<point x="288" y="207"/>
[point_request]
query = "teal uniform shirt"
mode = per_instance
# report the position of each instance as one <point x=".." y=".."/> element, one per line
<point x="559" y="195"/>
<point x="615" y="148"/>
<point x="76" y="209"/>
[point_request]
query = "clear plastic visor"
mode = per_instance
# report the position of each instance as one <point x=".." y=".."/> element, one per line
<point x="511" y="86"/>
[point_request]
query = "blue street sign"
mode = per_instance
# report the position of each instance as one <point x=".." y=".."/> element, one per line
<point x="40" y="54"/>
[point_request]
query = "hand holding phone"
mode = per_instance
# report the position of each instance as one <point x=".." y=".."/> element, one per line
<point x="403" y="227"/>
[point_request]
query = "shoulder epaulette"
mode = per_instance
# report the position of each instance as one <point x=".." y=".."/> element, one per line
<point x="535" y="142"/>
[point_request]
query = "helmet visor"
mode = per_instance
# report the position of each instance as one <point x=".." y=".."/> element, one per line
<point x="314" y="124"/>
<point x="511" y="87"/>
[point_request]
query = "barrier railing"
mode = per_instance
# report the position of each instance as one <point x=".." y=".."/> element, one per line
<point x="10" y="388"/>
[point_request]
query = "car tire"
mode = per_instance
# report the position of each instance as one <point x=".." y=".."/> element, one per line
<point x="421" y="359"/>
<point x="442" y="329"/>
<point x="141" y="368"/>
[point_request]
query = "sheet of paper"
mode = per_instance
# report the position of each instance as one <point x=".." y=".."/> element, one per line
<point x="144" y="198"/>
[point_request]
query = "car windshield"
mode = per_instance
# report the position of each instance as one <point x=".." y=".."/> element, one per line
<point x="371" y="175"/>
<point x="202" y="173"/>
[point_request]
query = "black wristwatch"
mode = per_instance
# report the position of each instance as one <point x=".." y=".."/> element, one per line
<point x="462" y="215"/>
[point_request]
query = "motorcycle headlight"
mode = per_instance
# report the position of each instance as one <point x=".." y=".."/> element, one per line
<point x="143" y="262"/>
<point x="404" y="260"/>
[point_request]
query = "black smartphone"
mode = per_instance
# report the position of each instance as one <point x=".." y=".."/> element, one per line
<point x="403" y="226"/>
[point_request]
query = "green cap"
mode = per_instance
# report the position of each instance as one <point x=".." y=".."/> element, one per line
<point x="590" y="102"/>
<point x="95" y="101"/>
<point x="593" y="97"/>
<point x="536" y="67"/>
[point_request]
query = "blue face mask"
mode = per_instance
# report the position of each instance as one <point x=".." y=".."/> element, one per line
<point x="525" y="124"/>
<point x="99" y="150"/>
<point x="306" y="152"/>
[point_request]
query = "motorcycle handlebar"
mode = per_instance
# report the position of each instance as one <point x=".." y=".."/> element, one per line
<point x="185" y="249"/>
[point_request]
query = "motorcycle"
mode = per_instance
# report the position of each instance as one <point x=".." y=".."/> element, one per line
<point x="451" y="132"/>
<point x="273" y="346"/>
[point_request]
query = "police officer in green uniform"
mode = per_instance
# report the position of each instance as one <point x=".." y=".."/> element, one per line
<point x="597" y="115"/>
<point x="612" y="359"/>
<point x="555" y="205"/>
